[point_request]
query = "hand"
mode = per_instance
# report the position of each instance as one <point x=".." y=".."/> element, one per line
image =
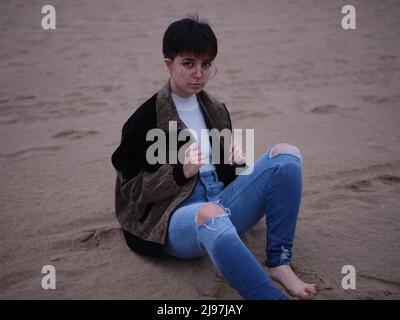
<point x="236" y="155"/>
<point x="194" y="159"/>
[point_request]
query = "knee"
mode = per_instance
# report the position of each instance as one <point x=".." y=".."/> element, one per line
<point x="208" y="211"/>
<point x="285" y="148"/>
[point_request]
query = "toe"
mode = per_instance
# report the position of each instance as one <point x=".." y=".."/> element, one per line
<point x="306" y="295"/>
<point x="311" y="289"/>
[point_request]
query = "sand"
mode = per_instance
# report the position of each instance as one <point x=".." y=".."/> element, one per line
<point x="285" y="68"/>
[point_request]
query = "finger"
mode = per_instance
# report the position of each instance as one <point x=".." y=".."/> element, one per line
<point x="194" y="146"/>
<point x="238" y="148"/>
<point x="230" y="159"/>
<point x="198" y="161"/>
<point x="239" y="159"/>
<point x="239" y="152"/>
<point x="194" y="153"/>
<point x="201" y="159"/>
<point x="199" y="156"/>
<point x="189" y="150"/>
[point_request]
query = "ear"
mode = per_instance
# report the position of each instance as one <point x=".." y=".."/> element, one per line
<point x="168" y="62"/>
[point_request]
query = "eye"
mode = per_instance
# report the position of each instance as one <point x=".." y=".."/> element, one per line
<point x="188" y="64"/>
<point x="206" y="65"/>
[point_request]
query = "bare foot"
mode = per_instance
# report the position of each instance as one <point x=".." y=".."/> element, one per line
<point x="295" y="287"/>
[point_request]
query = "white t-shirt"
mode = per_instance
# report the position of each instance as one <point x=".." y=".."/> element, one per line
<point x="190" y="113"/>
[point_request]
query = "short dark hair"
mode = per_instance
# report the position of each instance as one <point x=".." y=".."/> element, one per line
<point x="190" y="35"/>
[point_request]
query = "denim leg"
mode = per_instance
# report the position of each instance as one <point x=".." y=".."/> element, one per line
<point x="273" y="190"/>
<point x="219" y="235"/>
<point x="182" y="238"/>
<point x="282" y="208"/>
<point x="182" y="241"/>
<point x="230" y="256"/>
<point x="235" y="262"/>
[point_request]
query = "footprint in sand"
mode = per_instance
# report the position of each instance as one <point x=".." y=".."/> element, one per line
<point x="12" y="278"/>
<point x="381" y="99"/>
<point x="252" y="114"/>
<point x="364" y="185"/>
<point x="75" y="94"/>
<point x="387" y="57"/>
<point x="389" y="179"/>
<point x="74" y="134"/>
<point x="92" y="237"/>
<point x="96" y="104"/>
<point x="359" y="186"/>
<point x="326" y="108"/>
<point x="31" y="150"/>
<point x="382" y="287"/>
<point x="101" y="88"/>
<point x="97" y="237"/>
<point x="30" y="97"/>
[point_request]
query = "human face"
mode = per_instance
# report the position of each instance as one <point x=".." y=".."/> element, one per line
<point x="189" y="73"/>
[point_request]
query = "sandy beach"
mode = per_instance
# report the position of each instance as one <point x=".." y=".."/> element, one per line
<point x="286" y="69"/>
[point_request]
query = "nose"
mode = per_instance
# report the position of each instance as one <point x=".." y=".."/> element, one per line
<point x="198" y="73"/>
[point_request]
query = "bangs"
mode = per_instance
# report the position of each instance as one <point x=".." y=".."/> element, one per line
<point x="192" y="37"/>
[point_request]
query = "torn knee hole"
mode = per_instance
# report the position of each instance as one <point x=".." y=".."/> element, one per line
<point x="207" y="212"/>
<point x="285" y="148"/>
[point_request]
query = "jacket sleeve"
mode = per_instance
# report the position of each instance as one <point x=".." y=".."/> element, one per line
<point x="147" y="187"/>
<point x="140" y="181"/>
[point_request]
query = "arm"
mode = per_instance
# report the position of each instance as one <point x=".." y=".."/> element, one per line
<point x="140" y="181"/>
<point x="148" y="186"/>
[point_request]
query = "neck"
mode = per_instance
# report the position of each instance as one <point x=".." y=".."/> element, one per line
<point x="182" y="98"/>
<point x="178" y="92"/>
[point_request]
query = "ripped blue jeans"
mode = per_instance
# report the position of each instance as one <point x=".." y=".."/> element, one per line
<point x="272" y="190"/>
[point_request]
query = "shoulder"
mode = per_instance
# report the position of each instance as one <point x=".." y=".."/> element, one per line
<point x="211" y="100"/>
<point x="218" y="105"/>
<point x="144" y="116"/>
<point x="207" y="97"/>
<point x="133" y="136"/>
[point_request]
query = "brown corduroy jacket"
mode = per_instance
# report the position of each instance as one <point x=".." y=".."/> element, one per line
<point x="147" y="194"/>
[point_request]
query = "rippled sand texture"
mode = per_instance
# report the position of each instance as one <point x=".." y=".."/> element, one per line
<point x="285" y="69"/>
